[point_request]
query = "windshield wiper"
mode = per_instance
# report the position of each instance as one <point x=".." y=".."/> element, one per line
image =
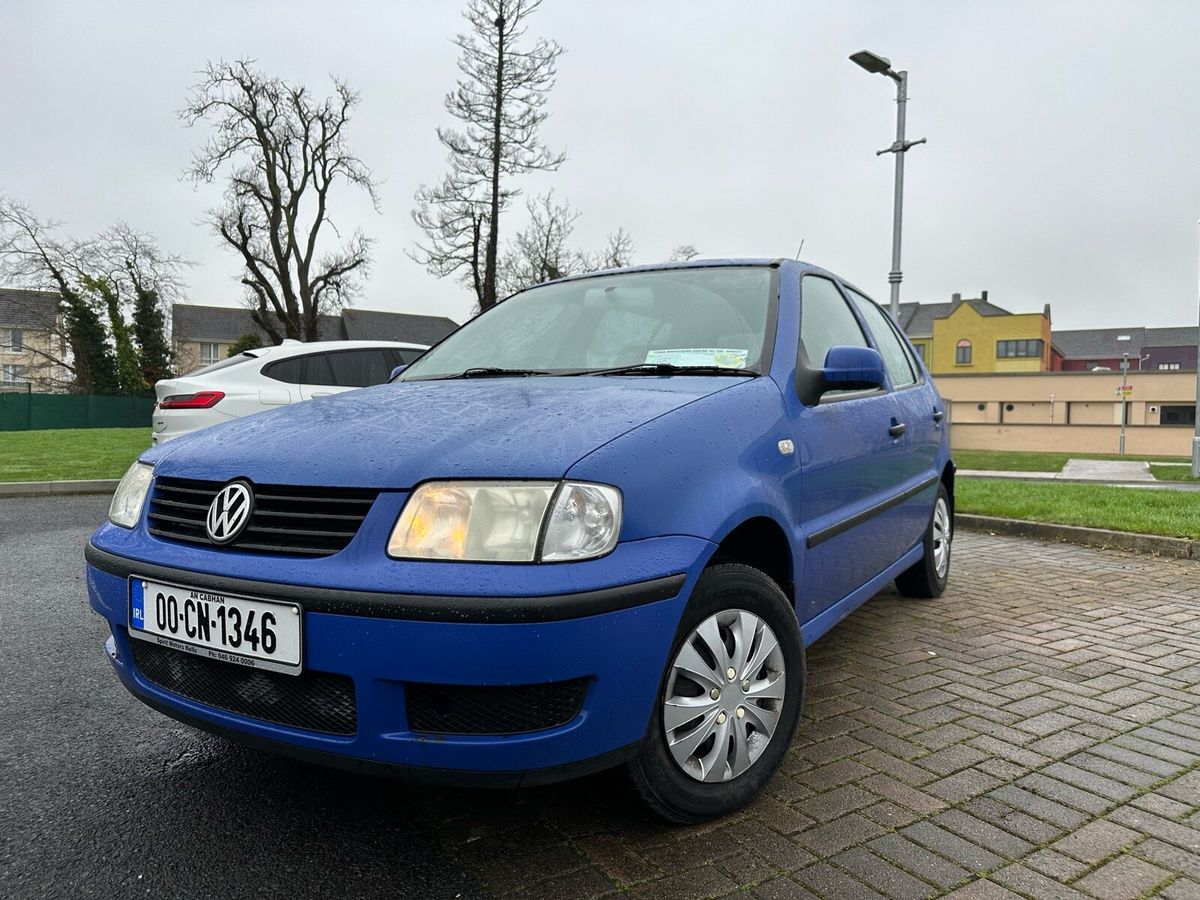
<point x="494" y="372"/>
<point x="670" y="369"/>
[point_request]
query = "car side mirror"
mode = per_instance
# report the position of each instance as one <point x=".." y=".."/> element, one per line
<point x="396" y="371"/>
<point x="853" y="369"/>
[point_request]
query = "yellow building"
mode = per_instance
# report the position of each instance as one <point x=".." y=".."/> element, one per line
<point x="973" y="336"/>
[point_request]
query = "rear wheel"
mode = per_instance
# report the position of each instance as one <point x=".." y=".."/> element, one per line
<point x="729" y="700"/>
<point x="929" y="576"/>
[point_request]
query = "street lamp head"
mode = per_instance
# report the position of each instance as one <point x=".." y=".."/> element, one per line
<point x="872" y="62"/>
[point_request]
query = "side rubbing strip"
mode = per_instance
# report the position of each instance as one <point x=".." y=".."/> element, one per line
<point x="820" y="537"/>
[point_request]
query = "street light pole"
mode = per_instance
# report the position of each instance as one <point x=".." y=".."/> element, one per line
<point x="1124" y="398"/>
<point x="876" y="64"/>
<point x="899" y="150"/>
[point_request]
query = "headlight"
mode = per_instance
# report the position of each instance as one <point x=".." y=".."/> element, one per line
<point x="507" y="521"/>
<point x="126" y="504"/>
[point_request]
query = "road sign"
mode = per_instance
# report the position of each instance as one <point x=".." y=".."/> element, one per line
<point x="1125" y="391"/>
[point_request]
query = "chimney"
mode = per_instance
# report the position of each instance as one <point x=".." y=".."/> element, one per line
<point x="983" y="296"/>
<point x="1046" y="312"/>
<point x="955" y="297"/>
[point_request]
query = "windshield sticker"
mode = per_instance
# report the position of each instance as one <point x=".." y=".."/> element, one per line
<point x="700" y="356"/>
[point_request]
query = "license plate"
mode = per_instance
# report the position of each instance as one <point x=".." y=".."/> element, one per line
<point x="264" y="634"/>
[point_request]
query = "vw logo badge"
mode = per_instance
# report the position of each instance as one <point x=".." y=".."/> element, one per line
<point x="229" y="512"/>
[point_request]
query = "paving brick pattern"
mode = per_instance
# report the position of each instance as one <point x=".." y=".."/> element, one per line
<point x="1033" y="733"/>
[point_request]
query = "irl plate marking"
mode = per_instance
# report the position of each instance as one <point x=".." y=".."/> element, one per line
<point x="139" y="594"/>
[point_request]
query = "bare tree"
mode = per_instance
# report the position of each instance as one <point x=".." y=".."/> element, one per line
<point x="144" y="280"/>
<point x="77" y="355"/>
<point x="500" y="99"/>
<point x="541" y="253"/>
<point x="102" y="283"/>
<point x="284" y="150"/>
<point x="617" y="252"/>
<point x="683" y="253"/>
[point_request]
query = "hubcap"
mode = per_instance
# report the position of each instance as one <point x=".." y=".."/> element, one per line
<point x="941" y="538"/>
<point x="724" y="696"/>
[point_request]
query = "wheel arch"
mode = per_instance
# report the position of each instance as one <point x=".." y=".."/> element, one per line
<point x="761" y="543"/>
<point x="947" y="480"/>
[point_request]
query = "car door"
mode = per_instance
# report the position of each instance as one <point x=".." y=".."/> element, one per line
<point x="317" y="378"/>
<point x="920" y="411"/>
<point x="851" y="462"/>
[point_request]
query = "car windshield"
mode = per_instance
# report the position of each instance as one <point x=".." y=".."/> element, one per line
<point x="668" y="321"/>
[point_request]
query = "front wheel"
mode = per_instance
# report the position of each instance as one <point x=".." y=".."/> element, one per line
<point x="729" y="700"/>
<point x="928" y="577"/>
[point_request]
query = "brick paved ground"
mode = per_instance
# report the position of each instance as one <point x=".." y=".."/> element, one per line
<point x="1035" y="732"/>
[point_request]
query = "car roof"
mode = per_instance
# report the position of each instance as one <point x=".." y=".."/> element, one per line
<point x="301" y="348"/>
<point x="794" y="265"/>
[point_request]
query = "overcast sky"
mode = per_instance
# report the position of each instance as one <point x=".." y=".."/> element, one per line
<point x="1063" y="163"/>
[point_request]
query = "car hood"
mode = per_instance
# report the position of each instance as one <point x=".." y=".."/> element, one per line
<point x="396" y="435"/>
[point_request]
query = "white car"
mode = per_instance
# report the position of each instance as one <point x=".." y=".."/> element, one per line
<point x="269" y="377"/>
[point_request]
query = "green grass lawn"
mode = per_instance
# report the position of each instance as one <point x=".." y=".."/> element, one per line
<point x="1146" y="511"/>
<point x="68" y="454"/>
<point x="1018" y="461"/>
<point x="1173" y="473"/>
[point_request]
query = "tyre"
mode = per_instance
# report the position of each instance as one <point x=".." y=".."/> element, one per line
<point x="716" y="738"/>
<point x="929" y="576"/>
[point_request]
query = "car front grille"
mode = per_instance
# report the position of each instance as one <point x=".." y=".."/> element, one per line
<point x="457" y="709"/>
<point x="304" y="521"/>
<point x="312" y="701"/>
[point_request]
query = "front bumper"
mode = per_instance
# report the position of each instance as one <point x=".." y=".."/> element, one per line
<point x="615" y="637"/>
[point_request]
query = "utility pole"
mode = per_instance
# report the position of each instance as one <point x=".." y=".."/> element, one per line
<point x="1124" y="398"/>
<point x="881" y="65"/>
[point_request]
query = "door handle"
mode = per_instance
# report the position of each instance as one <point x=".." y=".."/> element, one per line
<point x="898" y="429"/>
<point x="938" y="415"/>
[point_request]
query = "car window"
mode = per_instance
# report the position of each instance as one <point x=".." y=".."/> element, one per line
<point x="826" y="320"/>
<point x="316" y="370"/>
<point x="405" y="356"/>
<point x="901" y="368"/>
<point x="288" y="371"/>
<point x="359" y="368"/>
<point x="310" y="369"/>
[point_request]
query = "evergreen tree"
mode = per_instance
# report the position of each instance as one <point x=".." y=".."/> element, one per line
<point x="92" y="359"/>
<point x="150" y="332"/>
<point x="249" y="341"/>
<point x="129" y="374"/>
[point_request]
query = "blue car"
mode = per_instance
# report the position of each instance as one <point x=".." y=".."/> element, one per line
<point x="597" y="525"/>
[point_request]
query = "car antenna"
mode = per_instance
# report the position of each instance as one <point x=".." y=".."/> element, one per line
<point x="801" y="247"/>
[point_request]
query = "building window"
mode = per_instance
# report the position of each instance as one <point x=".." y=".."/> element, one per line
<point x="1178" y="415"/>
<point x="962" y="353"/>
<point x="1168" y="367"/>
<point x="11" y="374"/>
<point x="1026" y="349"/>
<point x="16" y="340"/>
<point x="209" y="354"/>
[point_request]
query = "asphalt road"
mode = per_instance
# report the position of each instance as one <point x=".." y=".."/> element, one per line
<point x="101" y="796"/>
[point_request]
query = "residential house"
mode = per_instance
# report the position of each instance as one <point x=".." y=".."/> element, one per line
<point x="973" y="335"/>
<point x="203" y="334"/>
<point x="1148" y="349"/>
<point x="31" y="344"/>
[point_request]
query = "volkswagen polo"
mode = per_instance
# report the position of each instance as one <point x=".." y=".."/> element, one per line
<point x="597" y="525"/>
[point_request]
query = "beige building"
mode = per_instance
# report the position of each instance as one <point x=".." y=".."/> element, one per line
<point x="31" y="344"/>
<point x="1072" y="412"/>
